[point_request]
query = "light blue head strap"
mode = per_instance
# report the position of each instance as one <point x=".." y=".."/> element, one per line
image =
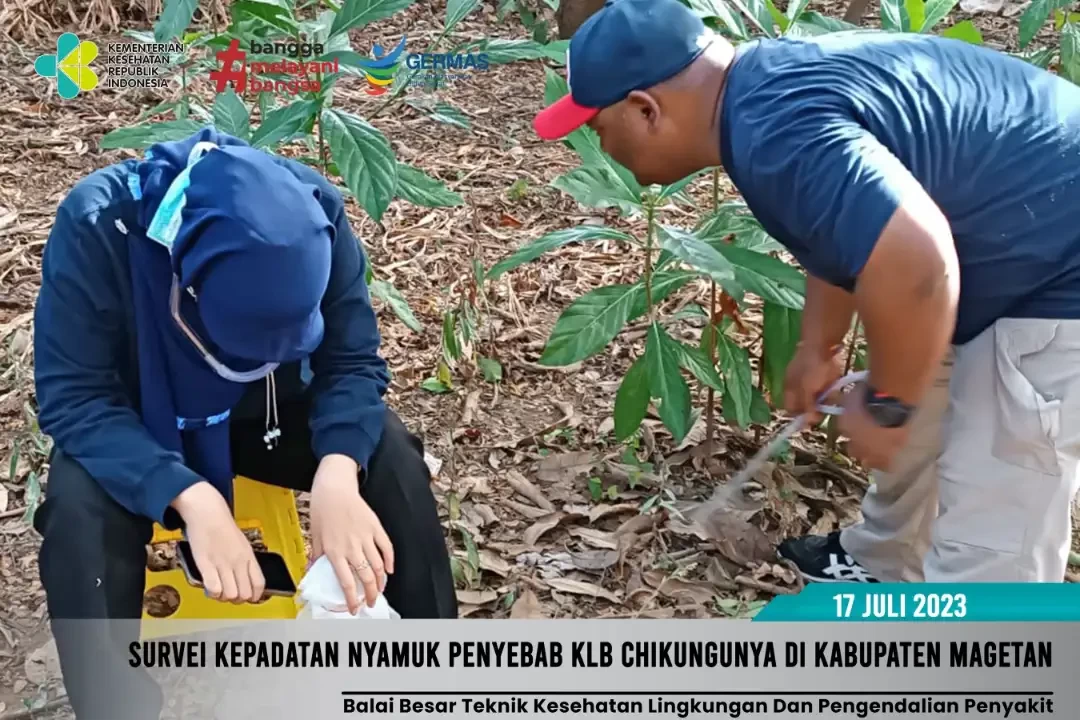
<point x="166" y="223"/>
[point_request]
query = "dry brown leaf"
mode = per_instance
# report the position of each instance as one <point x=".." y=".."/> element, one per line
<point x="493" y="562"/>
<point x="602" y="511"/>
<point x="565" y="466"/>
<point x="548" y="522"/>
<point x="595" y="560"/>
<point x="486" y="514"/>
<point x="638" y="524"/>
<point x="527" y="607"/>
<point x="526" y="510"/>
<point x="740" y="541"/>
<point x="506" y="220"/>
<point x="3" y="498"/>
<point x="594" y="537"/>
<point x="465" y="610"/>
<point x="658" y="613"/>
<point x="825" y="524"/>
<point x="472" y="403"/>
<point x="476" y="597"/>
<point x="579" y="587"/>
<point x="524" y="487"/>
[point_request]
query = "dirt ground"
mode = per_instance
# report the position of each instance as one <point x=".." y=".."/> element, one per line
<point x="517" y="457"/>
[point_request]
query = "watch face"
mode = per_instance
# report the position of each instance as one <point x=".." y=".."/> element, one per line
<point x="888" y="414"/>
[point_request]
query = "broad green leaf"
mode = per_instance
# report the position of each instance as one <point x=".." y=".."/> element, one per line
<point x="554" y="86"/>
<point x="434" y="385"/>
<point x="597" y="187"/>
<point x="795" y="8"/>
<point x="738" y="378"/>
<point x="138" y="137"/>
<point x="1070" y="53"/>
<point x="718" y="9"/>
<point x="586" y="144"/>
<point x="1036" y="15"/>
<point x="730" y="219"/>
<point x="917" y="14"/>
<point x="676" y="187"/>
<point x="458" y="10"/>
<point x="1039" y="58"/>
<point x="894" y="16"/>
<point x="813" y="23"/>
<point x="772" y="279"/>
<point x="965" y="31"/>
<point x="589" y="324"/>
<point x="781" y="336"/>
<point x="451" y="349"/>
<point x="778" y="18"/>
<point x="357" y="13"/>
<point x="492" y="369"/>
<point x="283" y="123"/>
<point x="174" y="19"/>
<point x="441" y="112"/>
<point x="365" y="159"/>
<point x="697" y="362"/>
<point x="390" y="295"/>
<point x="231" y="115"/>
<point x="666" y="382"/>
<point x="936" y="11"/>
<point x="758" y="14"/>
<point x="760" y="412"/>
<point x="556" y="239"/>
<point x="663" y="284"/>
<point x="419" y="188"/>
<point x="696" y="253"/>
<point x="273" y="15"/>
<point x="501" y="52"/>
<point x="632" y="400"/>
<point x="1060" y="18"/>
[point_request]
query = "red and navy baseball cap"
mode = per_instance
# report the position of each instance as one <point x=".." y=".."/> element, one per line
<point x="627" y="45"/>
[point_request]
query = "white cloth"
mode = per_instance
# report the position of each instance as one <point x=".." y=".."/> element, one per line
<point x="323" y="598"/>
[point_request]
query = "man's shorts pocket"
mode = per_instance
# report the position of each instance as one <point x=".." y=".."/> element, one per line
<point x="1028" y="422"/>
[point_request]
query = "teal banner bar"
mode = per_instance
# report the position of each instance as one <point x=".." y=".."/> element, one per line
<point x="902" y="602"/>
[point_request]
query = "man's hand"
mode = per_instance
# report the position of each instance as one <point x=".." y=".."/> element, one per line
<point x="811" y="372"/>
<point x="222" y="552"/>
<point x="872" y="445"/>
<point x="346" y="530"/>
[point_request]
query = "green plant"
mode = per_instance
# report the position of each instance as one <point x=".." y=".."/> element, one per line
<point x="528" y="11"/>
<point x="1067" y="55"/>
<point x="338" y="142"/>
<point x="920" y="16"/>
<point x="728" y="246"/>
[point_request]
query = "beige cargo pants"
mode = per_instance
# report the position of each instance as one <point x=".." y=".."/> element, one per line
<point x="983" y="491"/>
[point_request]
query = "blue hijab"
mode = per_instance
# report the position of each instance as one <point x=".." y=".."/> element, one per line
<point x="249" y="246"/>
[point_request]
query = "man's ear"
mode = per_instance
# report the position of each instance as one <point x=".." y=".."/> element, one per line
<point x="642" y="104"/>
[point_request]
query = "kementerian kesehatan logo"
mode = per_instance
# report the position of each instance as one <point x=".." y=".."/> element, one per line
<point x="70" y="65"/>
<point x="381" y="70"/>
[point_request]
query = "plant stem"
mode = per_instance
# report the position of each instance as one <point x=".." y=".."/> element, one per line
<point x="710" y="403"/>
<point x="650" y="210"/>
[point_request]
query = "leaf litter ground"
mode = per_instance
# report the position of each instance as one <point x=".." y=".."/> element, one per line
<point x="541" y="507"/>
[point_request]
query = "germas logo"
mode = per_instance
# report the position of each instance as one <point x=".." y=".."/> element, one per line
<point x="305" y="72"/>
<point x="70" y="66"/>
<point x="434" y="68"/>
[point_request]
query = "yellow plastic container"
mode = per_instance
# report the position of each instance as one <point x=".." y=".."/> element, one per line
<point x="272" y="510"/>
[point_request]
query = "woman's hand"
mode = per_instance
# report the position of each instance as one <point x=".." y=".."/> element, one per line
<point x="346" y="530"/>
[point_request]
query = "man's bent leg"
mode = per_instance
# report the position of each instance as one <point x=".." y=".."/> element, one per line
<point x="93" y="568"/>
<point x="1009" y="468"/>
<point x="900" y="506"/>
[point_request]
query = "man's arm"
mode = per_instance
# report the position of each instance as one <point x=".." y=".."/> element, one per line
<point x="863" y="225"/>
<point x="348" y="412"/>
<point x="827" y="316"/>
<point x="907" y="295"/>
<point x="79" y="335"/>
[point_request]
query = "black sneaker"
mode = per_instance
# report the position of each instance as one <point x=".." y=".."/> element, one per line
<point x="822" y="559"/>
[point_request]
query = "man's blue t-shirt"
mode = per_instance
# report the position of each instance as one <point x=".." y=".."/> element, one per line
<point x="822" y="135"/>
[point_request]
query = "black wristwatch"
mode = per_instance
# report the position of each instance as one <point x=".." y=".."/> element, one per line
<point x="886" y="410"/>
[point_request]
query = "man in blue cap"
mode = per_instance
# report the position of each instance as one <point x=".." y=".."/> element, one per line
<point x="204" y="313"/>
<point x="932" y="187"/>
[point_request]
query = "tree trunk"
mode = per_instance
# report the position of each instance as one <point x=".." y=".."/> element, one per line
<point x="572" y="13"/>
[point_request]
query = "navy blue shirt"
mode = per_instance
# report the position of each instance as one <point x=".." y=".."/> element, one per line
<point x="822" y="136"/>
<point x="86" y="361"/>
